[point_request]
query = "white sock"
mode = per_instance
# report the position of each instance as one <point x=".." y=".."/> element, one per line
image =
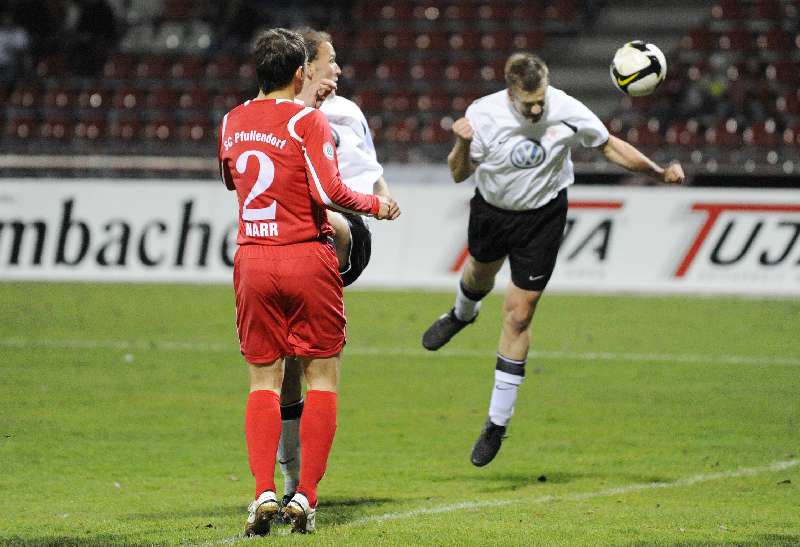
<point x="466" y="308"/>
<point x="289" y="454"/>
<point x="508" y="376"/>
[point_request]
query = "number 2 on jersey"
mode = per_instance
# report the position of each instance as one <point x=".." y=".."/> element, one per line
<point x="264" y="179"/>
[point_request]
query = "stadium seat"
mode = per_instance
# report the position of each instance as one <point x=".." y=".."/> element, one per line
<point x="460" y="102"/>
<point x="434" y="133"/>
<point x="789" y="103"/>
<point x="51" y="66"/>
<point x="58" y="98"/>
<point x="724" y="134"/>
<point x="434" y="40"/>
<point x="684" y="133"/>
<point x="499" y="41"/>
<point x="25" y="95"/>
<point x="433" y="101"/>
<point x="736" y="39"/>
<point x="56" y="129"/>
<point x="162" y="99"/>
<point x="462" y="70"/>
<point x="129" y="99"/>
<point x="193" y="100"/>
<point x="125" y="130"/>
<point x="20" y="128"/>
<point x="767" y="9"/>
<point x="160" y="130"/>
<point x="398" y="101"/>
<point x="493" y="71"/>
<point x="698" y="39"/>
<point x="727" y="10"/>
<point x="401" y="40"/>
<point x="120" y="66"/>
<point x="529" y="39"/>
<point x="196" y="130"/>
<point x="791" y="135"/>
<point x="187" y="67"/>
<point x="90" y="128"/>
<point x="367" y="99"/>
<point x="645" y="134"/>
<point x="468" y="40"/>
<point x="564" y="11"/>
<point x="784" y="71"/>
<point x="774" y="39"/>
<point x="761" y="134"/>
<point x="392" y="70"/>
<point x="459" y="13"/>
<point x="428" y="70"/>
<point x="153" y="68"/>
<point x="221" y="68"/>
<point x="94" y="97"/>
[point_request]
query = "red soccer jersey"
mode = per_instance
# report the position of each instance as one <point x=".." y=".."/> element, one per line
<point x="280" y="158"/>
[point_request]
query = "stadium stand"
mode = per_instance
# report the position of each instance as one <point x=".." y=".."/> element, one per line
<point x="170" y="69"/>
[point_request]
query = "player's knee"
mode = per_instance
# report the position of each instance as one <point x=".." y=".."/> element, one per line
<point x="517" y="321"/>
<point x="518" y="315"/>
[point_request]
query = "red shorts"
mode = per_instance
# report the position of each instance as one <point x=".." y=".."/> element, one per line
<point x="288" y="301"/>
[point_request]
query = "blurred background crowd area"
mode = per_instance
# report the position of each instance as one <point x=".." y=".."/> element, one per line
<point x="154" y="77"/>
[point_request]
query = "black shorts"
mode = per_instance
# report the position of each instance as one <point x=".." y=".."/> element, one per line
<point x="360" y="249"/>
<point x="529" y="238"/>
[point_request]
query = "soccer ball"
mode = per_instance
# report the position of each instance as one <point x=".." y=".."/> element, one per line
<point x="638" y="68"/>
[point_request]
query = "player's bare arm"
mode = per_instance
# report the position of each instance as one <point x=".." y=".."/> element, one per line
<point x="381" y="188"/>
<point x="458" y="160"/>
<point x="626" y="155"/>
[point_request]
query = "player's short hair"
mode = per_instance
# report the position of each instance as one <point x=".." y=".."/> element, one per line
<point x="278" y="53"/>
<point x="313" y="39"/>
<point x="526" y="72"/>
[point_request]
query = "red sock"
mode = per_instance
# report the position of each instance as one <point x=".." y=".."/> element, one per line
<point x="317" y="428"/>
<point x="262" y="429"/>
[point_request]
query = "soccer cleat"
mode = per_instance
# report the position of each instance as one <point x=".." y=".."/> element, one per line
<point x="443" y="329"/>
<point x="300" y="514"/>
<point x="260" y="514"/>
<point x="488" y="444"/>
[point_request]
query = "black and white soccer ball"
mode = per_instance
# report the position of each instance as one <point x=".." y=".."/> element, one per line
<point x="638" y="68"/>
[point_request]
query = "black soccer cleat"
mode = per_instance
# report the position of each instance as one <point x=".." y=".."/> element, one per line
<point x="443" y="329"/>
<point x="488" y="444"/>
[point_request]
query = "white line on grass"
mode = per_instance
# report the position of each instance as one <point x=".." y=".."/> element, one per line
<point x="617" y="491"/>
<point x="208" y="347"/>
<point x="523" y="501"/>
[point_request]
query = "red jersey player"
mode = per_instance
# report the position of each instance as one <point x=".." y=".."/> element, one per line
<point x="280" y="158"/>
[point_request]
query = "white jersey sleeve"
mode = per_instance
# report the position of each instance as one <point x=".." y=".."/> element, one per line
<point x="589" y="130"/>
<point x="358" y="162"/>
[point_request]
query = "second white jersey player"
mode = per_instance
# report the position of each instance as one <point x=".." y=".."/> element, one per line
<point x="358" y="161"/>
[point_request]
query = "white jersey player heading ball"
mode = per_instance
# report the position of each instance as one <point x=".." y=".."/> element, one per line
<point x="516" y="144"/>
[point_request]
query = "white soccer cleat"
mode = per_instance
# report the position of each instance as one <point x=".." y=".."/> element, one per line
<point x="260" y="514"/>
<point x="302" y="516"/>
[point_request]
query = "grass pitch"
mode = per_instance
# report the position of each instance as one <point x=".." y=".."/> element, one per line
<point x="643" y="421"/>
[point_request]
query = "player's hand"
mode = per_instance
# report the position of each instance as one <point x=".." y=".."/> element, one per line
<point x="314" y="93"/>
<point x="463" y="129"/>
<point x="674" y="174"/>
<point x="389" y="210"/>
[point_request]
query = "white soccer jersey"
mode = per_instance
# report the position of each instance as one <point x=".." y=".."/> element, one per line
<point x="358" y="162"/>
<point x="523" y="165"/>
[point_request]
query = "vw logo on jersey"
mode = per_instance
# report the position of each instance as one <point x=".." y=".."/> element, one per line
<point x="527" y="154"/>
